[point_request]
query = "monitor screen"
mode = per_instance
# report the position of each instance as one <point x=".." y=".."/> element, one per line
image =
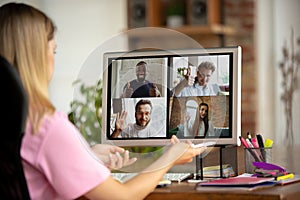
<point x="150" y="95"/>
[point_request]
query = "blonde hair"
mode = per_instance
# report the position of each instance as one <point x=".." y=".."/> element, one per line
<point x="24" y="36"/>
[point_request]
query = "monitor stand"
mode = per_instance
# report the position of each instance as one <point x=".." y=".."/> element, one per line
<point x="199" y="162"/>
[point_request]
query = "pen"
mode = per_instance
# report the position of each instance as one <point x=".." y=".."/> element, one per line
<point x="249" y="136"/>
<point x="254" y="143"/>
<point x="250" y="145"/>
<point x="260" y="142"/>
<point x="244" y="142"/>
<point x="284" y="177"/>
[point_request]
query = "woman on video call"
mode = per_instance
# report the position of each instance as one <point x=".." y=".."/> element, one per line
<point x="201" y="125"/>
<point x="58" y="163"/>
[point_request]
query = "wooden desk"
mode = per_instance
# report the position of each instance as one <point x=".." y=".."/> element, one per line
<point x="187" y="191"/>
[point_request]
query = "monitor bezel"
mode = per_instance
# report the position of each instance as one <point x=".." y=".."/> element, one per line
<point x="235" y="99"/>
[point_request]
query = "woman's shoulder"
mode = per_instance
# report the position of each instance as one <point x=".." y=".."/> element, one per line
<point x="60" y="115"/>
<point x="55" y="123"/>
<point x="56" y="117"/>
<point x="52" y="126"/>
<point x="48" y="121"/>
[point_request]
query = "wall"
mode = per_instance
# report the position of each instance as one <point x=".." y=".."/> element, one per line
<point x="286" y="17"/>
<point x="36" y="3"/>
<point x="240" y="15"/>
<point x="83" y="26"/>
<point x="277" y="19"/>
<point x="262" y="27"/>
<point x="265" y="70"/>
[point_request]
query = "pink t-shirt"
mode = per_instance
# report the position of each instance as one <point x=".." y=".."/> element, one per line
<point x="57" y="161"/>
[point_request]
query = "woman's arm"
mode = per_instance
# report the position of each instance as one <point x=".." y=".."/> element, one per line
<point x="146" y="181"/>
<point x="113" y="157"/>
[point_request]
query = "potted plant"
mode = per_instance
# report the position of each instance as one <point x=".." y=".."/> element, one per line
<point x="175" y="14"/>
<point x="86" y="115"/>
<point x="86" y="112"/>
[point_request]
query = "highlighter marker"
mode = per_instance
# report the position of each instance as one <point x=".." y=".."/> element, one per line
<point x="268" y="143"/>
<point x="284" y="177"/>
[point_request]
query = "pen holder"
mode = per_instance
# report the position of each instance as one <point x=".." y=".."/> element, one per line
<point x="256" y="155"/>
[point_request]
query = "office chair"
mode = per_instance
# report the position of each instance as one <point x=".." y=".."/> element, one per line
<point x="14" y="106"/>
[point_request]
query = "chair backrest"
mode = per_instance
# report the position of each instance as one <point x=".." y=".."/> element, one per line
<point x="14" y="106"/>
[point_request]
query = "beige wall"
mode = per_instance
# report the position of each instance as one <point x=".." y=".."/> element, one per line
<point x="275" y="20"/>
<point x="83" y="25"/>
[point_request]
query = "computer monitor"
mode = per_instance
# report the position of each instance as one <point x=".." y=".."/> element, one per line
<point x="192" y="102"/>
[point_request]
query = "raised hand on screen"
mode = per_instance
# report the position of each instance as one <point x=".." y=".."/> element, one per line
<point x="154" y="91"/>
<point x="120" y="124"/>
<point x="190" y="79"/>
<point x="128" y="90"/>
<point x="121" y="121"/>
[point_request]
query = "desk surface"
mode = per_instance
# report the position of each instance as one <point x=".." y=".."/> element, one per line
<point x="186" y="191"/>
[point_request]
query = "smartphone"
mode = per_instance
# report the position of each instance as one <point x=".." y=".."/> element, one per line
<point x="204" y="144"/>
<point x="193" y="71"/>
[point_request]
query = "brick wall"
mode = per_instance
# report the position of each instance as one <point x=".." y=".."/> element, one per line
<point x="240" y="15"/>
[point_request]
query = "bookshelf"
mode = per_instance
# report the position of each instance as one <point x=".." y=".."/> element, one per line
<point x="201" y="20"/>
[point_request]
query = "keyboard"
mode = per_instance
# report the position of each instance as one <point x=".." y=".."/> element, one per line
<point x="123" y="176"/>
<point x="177" y="176"/>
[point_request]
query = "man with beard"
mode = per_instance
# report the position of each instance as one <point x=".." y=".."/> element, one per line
<point x="141" y="127"/>
<point x="199" y="85"/>
<point x="140" y="87"/>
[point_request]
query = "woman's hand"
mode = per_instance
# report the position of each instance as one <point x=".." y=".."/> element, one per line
<point x="175" y="140"/>
<point x="189" y="153"/>
<point x="114" y="157"/>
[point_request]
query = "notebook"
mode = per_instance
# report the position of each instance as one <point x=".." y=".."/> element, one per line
<point x="248" y="183"/>
<point x="296" y="178"/>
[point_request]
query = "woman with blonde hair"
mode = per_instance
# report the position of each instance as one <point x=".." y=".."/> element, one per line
<point x="58" y="163"/>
